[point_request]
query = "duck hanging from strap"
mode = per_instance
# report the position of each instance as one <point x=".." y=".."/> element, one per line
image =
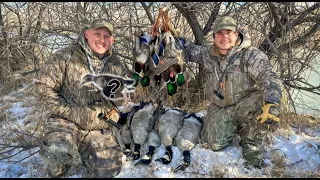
<point x="174" y="78"/>
<point x="173" y="75"/>
<point x="165" y="56"/>
<point x="142" y="53"/>
<point x="165" y="66"/>
<point x="170" y="45"/>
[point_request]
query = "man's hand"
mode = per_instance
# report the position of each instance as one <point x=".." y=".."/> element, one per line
<point x="181" y="41"/>
<point x="270" y="114"/>
<point x="111" y="117"/>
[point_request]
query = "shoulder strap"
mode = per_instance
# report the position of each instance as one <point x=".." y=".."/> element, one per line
<point x="242" y="59"/>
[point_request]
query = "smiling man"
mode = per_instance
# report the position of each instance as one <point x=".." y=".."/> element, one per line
<point x="100" y="37"/>
<point x="73" y="132"/>
<point x="244" y="91"/>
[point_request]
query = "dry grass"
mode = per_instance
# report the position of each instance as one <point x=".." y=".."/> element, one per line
<point x="302" y="122"/>
<point x="187" y="98"/>
<point x="279" y="165"/>
<point x="10" y="85"/>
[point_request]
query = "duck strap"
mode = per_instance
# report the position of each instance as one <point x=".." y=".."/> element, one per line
<point x="133" y="110"/>
<point x="156" y="115"/>
<point x="166" y="21"/>
<point x="244" y="50"/>
<point x="220" y="79"/>
<point x="162" y="22"/>
<point x="157" y="23"/>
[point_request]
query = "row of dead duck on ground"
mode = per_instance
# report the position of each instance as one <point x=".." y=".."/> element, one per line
<point x="148" y="124"/>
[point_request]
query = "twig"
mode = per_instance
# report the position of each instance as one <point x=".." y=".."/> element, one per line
<point x="295" y="162"/>
<point x="7" y="151"/>
<point x="311" y="145"/>
<point x="26" y="157"/>
<point x="14" y="154"/>
<point x="18" y="146"/>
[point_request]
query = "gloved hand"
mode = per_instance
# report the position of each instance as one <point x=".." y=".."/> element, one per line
<point x="270" y="114"/>
<point x="175" y="33"/>
<point x="181" y="41"/>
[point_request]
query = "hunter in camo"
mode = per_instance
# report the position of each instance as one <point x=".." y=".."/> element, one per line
<point x="74" y="140"/>
<point x="247" y="83"/>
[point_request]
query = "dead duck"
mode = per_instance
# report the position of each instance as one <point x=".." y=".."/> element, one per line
<point x="141" y="52"/>
<point x="168" y="125"/>
<point x="139" y="126"/>
<point x="153" y="136"/>
<point x="187" y="137"/>
<point x="142" y="49"/>
<point x="153" y="143"/>
<point x="170" y="45"/>
<point x="125" y="132"/>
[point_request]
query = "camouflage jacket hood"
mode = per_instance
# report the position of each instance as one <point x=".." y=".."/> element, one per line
<point x="245" y="69"/>
<point x="58" y="84"/>
<point x="95" y="60"/>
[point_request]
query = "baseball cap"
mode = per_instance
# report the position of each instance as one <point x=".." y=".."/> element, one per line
<point x="225" y="22"/>
<point x="97" y="23"/>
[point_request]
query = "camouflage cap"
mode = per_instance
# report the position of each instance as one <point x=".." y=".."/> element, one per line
<point x="97" y="23"/>
<point x="226" y="22"/>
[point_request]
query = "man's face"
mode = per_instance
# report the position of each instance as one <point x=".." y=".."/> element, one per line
<point x="99" y="40"/>
<point x="225" y="39"/>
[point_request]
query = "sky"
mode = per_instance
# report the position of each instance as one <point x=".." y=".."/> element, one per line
<point x="300" y="153"/>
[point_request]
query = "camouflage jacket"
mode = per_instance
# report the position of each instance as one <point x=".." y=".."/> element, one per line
<point x="58" y="87"/>
<point x="249" y="70"/>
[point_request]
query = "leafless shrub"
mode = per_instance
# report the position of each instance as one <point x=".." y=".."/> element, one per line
<point x="287" y="32"/>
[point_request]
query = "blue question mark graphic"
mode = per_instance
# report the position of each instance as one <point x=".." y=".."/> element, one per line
<point x="116" y="84"/>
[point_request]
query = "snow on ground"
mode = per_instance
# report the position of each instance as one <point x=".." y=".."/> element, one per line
<point x="300" y="154"/>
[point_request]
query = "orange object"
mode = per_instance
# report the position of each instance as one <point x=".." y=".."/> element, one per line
<point x="111" y="112"/>
<point x="166" y="24"/>
<point x="221" y="85"/>
<point x="162" y="22"/>
<point x="157" y="23"/>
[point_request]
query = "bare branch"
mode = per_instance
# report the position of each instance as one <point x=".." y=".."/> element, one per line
<point x="146" y="8"/>
<point x="192" y="20"/>
<point x="302" y="17"/>
<point x="214" y="14"/>
<point x="303" y="39"/>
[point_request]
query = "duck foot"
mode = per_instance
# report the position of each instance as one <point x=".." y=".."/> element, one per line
<point x="186" y="159"/>
<point x="166" y="159"/>
<point x="136" y="153"/>
<point x="127" y="151"/>
<point x="181" y="167"/>
<point x="145" y="160"/>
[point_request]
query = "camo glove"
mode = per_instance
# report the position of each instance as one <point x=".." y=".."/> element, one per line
<point x="181" y="41"/>
<point x="112" y="114"/>
<point x="270" y="114"/>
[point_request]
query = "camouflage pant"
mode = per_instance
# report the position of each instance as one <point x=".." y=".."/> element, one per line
<point x="221" y="124"/>
<point x="67" y="150"/>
